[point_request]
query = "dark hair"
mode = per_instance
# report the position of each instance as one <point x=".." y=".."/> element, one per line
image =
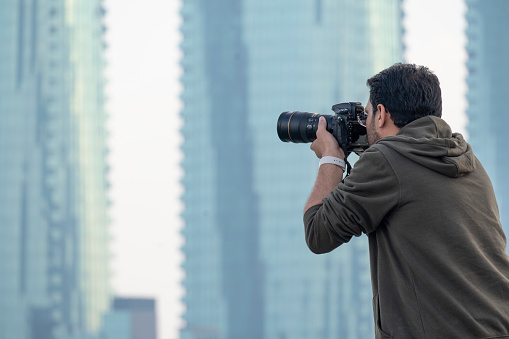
<point x="407" y="91"/>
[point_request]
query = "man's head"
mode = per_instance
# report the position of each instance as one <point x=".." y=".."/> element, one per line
<point x="399" y="95"/>
<point x="407" y="92"/>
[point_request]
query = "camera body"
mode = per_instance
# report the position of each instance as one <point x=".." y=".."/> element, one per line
<point x="347" y="125"/>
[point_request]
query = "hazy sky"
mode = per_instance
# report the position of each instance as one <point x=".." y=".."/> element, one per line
<point x="144" y="138"/>
<point x="144" y="127"/>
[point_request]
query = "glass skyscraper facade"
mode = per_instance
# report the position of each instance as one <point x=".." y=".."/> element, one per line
<point x="248" y="272"/>
<point x="53" y="210"/>
<point x="488" y="71"/>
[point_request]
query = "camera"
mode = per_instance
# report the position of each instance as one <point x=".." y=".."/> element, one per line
<point x="347" y="125"/>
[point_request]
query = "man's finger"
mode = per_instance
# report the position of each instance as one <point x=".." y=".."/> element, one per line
<point x="322" y="123"/>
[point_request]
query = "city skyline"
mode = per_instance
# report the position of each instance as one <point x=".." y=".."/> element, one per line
<point x="142" y="75"/>
<point x="161" y="155"/>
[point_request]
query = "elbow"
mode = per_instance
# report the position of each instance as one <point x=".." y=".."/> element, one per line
<point x="317" y="237"/>
<point x="316" y="247"/>
<point x="318" y="250"/>
<point x="317" y="242"/>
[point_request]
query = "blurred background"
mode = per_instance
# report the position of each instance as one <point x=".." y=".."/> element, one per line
<point x="144" y="191"/>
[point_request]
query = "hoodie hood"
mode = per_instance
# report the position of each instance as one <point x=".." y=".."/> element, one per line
<point x="430" y="142"/>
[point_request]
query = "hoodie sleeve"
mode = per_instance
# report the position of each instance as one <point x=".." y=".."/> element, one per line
<point x="356" y="206"/>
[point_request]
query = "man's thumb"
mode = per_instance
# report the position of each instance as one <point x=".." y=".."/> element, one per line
<point x="322" y="123"/>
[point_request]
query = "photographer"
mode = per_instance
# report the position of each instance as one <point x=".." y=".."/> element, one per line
<point x="439" y="266"/>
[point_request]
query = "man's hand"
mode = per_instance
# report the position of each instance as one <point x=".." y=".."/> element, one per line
<point x="329" y="175"/>
<point x="325" y="143"/>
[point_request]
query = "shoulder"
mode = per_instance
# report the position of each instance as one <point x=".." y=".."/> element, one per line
<point x="376" y="154"/>
<point x="380" y="155"/>
<point x="379" y="150"/>
<point x="373" y="166"/>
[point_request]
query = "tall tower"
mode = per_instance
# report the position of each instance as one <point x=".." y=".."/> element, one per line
<point x="488" y="72"/>
<point x="249" y="273"/>
<point x="53" y="211"/>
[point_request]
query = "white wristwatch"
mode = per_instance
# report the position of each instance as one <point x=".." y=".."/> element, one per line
<point x="332" y="160"/>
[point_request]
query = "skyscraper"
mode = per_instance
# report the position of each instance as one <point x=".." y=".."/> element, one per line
<point x="488" y="72"/>
<point x="248" y="271"/>
<point x="53" y="234"/>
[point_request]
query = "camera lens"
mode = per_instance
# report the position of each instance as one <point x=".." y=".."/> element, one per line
<point x="299" y="127"/>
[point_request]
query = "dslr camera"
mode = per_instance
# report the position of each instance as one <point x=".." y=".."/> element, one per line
<point x="347" y="125"/>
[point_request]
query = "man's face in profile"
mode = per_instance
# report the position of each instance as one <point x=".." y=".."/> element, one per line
<point x="372" y="134"/>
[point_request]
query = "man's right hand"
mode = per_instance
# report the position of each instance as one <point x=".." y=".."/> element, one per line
<point x="325" y="144"/>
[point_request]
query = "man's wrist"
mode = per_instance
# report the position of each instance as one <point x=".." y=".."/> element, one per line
<point x="333" y="153"/>
<point x="333" y="160"/>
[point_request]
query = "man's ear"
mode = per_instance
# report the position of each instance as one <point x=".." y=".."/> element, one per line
<point x="381" y="119"/>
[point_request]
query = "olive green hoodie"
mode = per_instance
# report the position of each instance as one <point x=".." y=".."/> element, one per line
<point x="439" y="266"/>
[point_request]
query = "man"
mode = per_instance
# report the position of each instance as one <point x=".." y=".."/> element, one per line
<point x="439" y="267"/>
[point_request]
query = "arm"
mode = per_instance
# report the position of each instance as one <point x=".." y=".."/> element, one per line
<point x="354" y="207"/>
<point x="329" y="175"/>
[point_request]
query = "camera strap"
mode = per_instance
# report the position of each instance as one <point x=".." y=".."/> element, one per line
<point x="348" y="169"/>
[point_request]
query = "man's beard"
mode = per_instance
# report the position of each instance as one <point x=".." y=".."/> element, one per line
<point x="373" y="136"/>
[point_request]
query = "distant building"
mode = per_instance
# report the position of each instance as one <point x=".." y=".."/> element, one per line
<point x="488" y="71"/>
<point x="142" y="316"/>
<point x="129" y="318"/>
<point x="53" y="201"/>
<point x="248" y="272"/>
<point x="117" y="325"/>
